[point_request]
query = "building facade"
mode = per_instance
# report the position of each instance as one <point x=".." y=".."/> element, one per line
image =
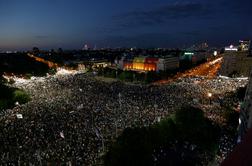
<point x="149" y="63"/>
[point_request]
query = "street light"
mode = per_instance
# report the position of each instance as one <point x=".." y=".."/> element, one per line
<point x="209" y="95"/>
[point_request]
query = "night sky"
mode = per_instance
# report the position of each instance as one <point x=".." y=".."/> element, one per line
<point x="122" y="23"/>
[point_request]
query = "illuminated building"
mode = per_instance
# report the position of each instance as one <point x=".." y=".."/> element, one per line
<point x="149" y="63"/>
<point x="244" y="45"/>
<point x="187" y="56"/>
<point x="127" y="65"/>
<point x="168" y="63"/>
<point x="85" y="47"/>
<point x="231" y="48"/>
<point x="138" y="63"/>
<point x="236" y="63"/>
<point x="194" y="56"/>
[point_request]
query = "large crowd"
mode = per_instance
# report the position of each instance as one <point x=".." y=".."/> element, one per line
<point x="72" y="118"/>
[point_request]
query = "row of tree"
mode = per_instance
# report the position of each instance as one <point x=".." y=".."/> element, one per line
<point x="21" y="64"/>
<point x="133" y="76"/>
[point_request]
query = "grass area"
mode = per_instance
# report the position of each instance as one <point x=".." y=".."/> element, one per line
<point x="9" y="96"/>
<point x="134" y="76"/>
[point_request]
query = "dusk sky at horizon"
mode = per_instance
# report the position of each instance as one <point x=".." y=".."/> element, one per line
<point x="122" y="23"/>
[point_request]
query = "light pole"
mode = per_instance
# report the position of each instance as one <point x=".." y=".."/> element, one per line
<point x="209" y="96"/>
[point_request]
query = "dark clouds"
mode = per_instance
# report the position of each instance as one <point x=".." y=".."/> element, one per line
<point x="163" y="14"/>
<point x="183" y="22"/>
<point x="236" y="7"/>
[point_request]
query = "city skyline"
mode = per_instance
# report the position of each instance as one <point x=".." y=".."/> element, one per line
<point x="71" y="24"/>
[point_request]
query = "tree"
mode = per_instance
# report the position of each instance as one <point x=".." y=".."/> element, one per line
<point x="60" y="51"/>
<point x="126" y="76"/>
<point x="35" y="50"/>
<point x="195" y="128"/>
<point x="232" y="119"/>
<point x="241" y="93"/>
<point x="169" y="142"/>
<point x="20" y="96"/>
<point x="133" y="148"/>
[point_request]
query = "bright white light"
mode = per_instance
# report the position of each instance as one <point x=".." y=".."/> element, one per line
<point x="216" y="61"/>
<point x="19" y="116"/>
<point x="16" y="103"/>
<point x="224" y="77"/>
<point x="231" y="48"/>
<point x="209" y="94"/>
<point x="62" y="134"/>
<point x="242" y="78"/>
<point x="239" y="121"/>
<point x="188" y="53"/>
<point x="20" y="80"/>
<point x="62" y="71"/>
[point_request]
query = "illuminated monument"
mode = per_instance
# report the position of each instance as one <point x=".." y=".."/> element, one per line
<point x="149" y="63"/>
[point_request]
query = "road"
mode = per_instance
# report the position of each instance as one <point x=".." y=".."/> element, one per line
<point x="208" y="70"/>
<point x="49" y="63"/>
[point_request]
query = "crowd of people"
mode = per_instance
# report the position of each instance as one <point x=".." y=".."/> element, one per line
<point x="73" y="118"/>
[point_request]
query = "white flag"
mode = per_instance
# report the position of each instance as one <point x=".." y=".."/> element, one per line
<point x="80" y="107"/>
<point x="62" y="135"/>
<point x="19" y="116"/>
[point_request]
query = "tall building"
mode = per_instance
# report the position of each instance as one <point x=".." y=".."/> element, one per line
<point x="194" y="56"/>
<point x="168" y="63"/>
<point x="244" y="45"/>
<point x="236" y="60"/>
<point x="85" y="47"/>
<point x="231" y="48"/>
